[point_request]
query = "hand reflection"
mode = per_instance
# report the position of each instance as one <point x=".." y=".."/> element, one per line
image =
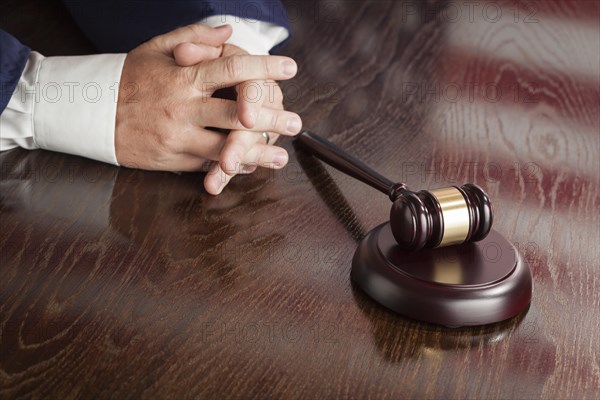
<point x="166" y="218"/>
<point x="220" y="238"/>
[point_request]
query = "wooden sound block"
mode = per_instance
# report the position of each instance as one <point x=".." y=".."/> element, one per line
<point x="469" y="284"/>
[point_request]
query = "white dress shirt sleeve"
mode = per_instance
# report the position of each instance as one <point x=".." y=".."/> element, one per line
<point x="65" y="104"/>
<point x="69" y="104"/>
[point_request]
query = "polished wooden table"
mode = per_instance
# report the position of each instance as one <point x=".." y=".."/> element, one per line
<point x="117" y="283"/>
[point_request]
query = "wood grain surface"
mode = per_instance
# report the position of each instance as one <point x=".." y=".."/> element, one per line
<point x="117" y="283"/>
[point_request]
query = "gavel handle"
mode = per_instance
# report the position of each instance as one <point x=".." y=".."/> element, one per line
<point x="339" y="159"/>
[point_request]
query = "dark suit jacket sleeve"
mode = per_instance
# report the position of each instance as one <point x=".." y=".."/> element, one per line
<point x="120" y="25"/>
<point x="13" y="57"/>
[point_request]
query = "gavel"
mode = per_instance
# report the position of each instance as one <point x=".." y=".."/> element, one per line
<point x="424" y="219"/>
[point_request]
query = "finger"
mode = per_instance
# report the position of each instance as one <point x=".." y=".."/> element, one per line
<point x="267" y="156"/>
<point x="229" y="71"/>
<point x="202" y="143"/>
<point x="209" y="145"/>
<point x="219" y="113"/>
<point x="193" y="33"/>
<point x="217" y="179"/>
<point x="243" y="147"/>
<point x="233" y="153"/>
<point x="187" y="54"/>
<point x="250" y="99"/>
<point x="189" y="163"/>
<point x="274" y="100"/>
<point x="274" y="95"/>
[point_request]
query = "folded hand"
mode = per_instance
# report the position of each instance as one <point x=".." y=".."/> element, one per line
<point x="164" y="109"/>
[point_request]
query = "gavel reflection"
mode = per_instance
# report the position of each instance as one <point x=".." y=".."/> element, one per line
<point x="424" y="219"/>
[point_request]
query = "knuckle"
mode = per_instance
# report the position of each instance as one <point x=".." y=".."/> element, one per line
<point x="191" y="76"/>
<point x="168" y="140"/>
<point x="232" y="116"/>
<point x="195" y="28"/>
<point x="278" y="95"/>
<point x="234" y="66"/>
<point x="275" y="120"/>
<point x="225" y="164"/>
<point x="268" y="67"/>
<point x="197" y="31"/>
<point x="172" y="112"/>
<point x="231" y="158"/>
<point x="262" y="155"/>
<point x="251" y="92"/>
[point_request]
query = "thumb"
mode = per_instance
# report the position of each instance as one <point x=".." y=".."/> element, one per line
<point x="194" y="33"/>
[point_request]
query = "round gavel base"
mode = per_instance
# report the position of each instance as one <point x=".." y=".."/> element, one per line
<point x="470" y="284"/>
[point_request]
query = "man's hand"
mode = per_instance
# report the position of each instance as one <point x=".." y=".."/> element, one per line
<point x="252" y="98"/>
<point x="164" y="109"/>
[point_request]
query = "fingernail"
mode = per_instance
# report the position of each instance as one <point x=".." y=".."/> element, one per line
<point x="294" y="125"/>
<point x="289" y="68"/>
<point x="280" y="159"/>
<point x="221" y="26"/>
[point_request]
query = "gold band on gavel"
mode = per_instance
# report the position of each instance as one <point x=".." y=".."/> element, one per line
<point x="455" y="215"/>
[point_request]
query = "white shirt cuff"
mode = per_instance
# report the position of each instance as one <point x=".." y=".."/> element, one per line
<point x="256" y="37"/>
<point x="65" y="104"/>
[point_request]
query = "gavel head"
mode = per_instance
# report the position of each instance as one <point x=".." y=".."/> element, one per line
<point x="440" y="217"/>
